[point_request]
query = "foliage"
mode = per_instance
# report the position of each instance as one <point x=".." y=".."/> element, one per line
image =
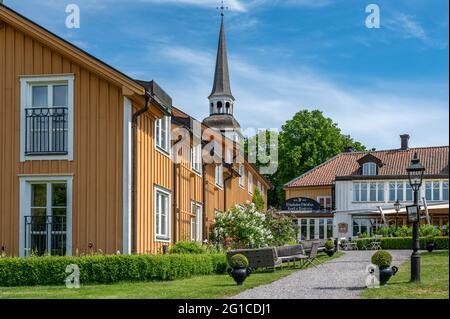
<point x="245" y="227"/>
<point x="429" y="238"/>
<point x="283" y="229"/>
<point x="382" y="258"/>
<point x="429" y="230"/>
<point x="305" y="141"/>
<point x="239" y="261"/>
<point x="108" y="269"/>
<point x="329" y="244"/>
<point x="364" y="235"/>
<point x="440" y="242"/>
<point x="187" y="247"/>
<point x="258" y="200"/>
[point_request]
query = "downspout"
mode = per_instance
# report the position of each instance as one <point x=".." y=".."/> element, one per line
<point x="205" y="227"/>
<point x="134" y="172"/>
<point x="175" y="211"/>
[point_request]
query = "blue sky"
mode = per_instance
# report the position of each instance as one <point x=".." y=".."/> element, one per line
<point x="285" y="55"/>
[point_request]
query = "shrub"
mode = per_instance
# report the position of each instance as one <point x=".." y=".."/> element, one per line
<point x="258" y="200"/>
<point x="239" y="261"/>
<point x="187" y="247"/>
<point x="108" y="269"/>
<point x="440" y="242"/>
<point x="329" y="244"/>
<point x="429" y="230"/>
<point x="382" y="258"/>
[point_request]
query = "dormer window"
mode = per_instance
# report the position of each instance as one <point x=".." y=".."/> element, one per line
<point x="369" y="169"/>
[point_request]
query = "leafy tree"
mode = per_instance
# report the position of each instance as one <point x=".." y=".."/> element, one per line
<point x="305" y="141"/>
<point x="258" y="200"/>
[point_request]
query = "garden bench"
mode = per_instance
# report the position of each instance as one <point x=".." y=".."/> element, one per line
<point x="258" y="258"/>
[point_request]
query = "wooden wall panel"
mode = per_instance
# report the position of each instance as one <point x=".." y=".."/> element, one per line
<point x="97" y="164"/>
<point x="310" y="192"/>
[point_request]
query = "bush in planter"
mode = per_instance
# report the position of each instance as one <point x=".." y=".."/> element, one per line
<point x="382" y="259"/>
<point x="187" y="247"/>
<point x="329" y="244"/>
<point x="239" y="261"/>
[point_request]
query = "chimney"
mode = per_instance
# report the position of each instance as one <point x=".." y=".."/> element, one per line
<point x="349" y="149"/>
<point x="404" y="141"/>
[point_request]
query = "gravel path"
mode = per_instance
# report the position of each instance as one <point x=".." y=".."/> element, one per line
<point x="340" y="278"/>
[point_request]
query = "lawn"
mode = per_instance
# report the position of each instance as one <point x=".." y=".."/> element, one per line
<point x="201" y="287"/>
<point x="434" y="281"/>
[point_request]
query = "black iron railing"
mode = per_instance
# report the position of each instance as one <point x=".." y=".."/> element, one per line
<point x="46" y="131"/>
<point x="45" y="235"/>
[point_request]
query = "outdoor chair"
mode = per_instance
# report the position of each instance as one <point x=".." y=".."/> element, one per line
<point x="290" y="253"/>
<point x="312" y="256"/>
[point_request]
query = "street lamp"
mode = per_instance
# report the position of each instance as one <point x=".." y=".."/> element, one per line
<point x="415" y="176"/>
<point x="397" y="209"/>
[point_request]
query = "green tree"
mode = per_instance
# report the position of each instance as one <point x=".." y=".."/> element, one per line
<point x="304" y="142"/>
<point x="258" y="200"/>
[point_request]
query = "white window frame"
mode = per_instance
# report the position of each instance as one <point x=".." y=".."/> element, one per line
<point x="197" y="210"/>
<point x="25" y="183"/>
<point x="161" y="237"/>
<point x="250" y="183"/>
<point x="369" y="169"/>
<point x="219" y="175"/>
<point x="324" y="198"/>
<point x="379" y="186"/>
<point x="165" y="149"/>
<point x="196" y="164"/>
<point x="432" y="189"/>
<point x="26" y="84"/>
<point x="242" y="176"/>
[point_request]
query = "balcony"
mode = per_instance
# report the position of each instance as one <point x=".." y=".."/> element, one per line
<point x="46" y="131"/>
<point x="45" y="235"/>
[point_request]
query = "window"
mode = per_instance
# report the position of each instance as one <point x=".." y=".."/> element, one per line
<point x="329" y="228"/>
<point x="45" y="213"/>
<point x="162" y="214"/>
<point x="356" y="192"/>
<point x="400" y="191"/>
<point x="444" y="190"/>
<point x="242" y="175"/>
<point x="380" y="192"/>
<point x="250" y="183"/>
<point x="325" y="202"/>
<point x="196" y="222"/>
<point x="433" y="190"/>
<point x="312" y="229"/>
<point x="304" y="229"/>
<point x="321" y="228"/>
<point x="197" y="158"/>
<point x="369" y="169"/>
<point x="363" y="192"/>
<point x="409" y="192"/>
<point x="368" y="192"/>
<point x="162" y="134"/>
<point x="219" y="175"/>
<point x="392" y="192"/>
<point x="46" y="121"/>
<point x="400" y="188"/>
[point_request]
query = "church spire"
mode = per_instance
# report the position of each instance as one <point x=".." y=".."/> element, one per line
<point x="221" y="86"/>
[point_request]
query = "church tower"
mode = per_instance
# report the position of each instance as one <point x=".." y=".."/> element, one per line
<point x="221" y="100"/>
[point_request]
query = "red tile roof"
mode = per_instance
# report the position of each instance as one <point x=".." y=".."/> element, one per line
<point x="394" y="163"/>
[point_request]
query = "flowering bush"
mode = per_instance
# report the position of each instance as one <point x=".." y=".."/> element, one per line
<point x="246" y="227"/>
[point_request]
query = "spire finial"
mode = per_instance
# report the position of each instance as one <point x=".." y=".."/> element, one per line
<point x="222" y="8"/>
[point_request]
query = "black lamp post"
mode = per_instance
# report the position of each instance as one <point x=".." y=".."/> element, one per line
<point x="415" y="176"/>
<point x="397" y="210"/>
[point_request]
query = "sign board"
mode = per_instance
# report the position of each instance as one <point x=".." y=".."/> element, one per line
<point x="301" y="204"/>
<point x="343" y="228"/>
<point x="413" y="213"/>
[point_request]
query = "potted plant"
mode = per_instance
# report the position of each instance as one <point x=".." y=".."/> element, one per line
<point x="429" y="243"/>
<point x="383" y="260"/>
<point x="239" y="268"/>
<point x="329" y="247"/>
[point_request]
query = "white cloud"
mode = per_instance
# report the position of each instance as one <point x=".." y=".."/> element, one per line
<point x="267" y="97"/>
<point x="407" y="26"/>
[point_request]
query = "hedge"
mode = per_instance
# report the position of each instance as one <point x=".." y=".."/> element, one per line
<point x="108" y="269"/>
<point x="402" y="242"/>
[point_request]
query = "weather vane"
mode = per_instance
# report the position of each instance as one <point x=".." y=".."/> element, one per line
<point x="222" y="9"/>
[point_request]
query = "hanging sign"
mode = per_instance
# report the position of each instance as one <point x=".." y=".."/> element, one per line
<point x="301" y="204"/>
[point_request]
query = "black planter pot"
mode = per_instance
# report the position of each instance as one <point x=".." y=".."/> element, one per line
<point x="330" y="252"/>
<point x="430" y="247"/>
<point x="386" y="273"/>
<point x="239" y="274"/>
